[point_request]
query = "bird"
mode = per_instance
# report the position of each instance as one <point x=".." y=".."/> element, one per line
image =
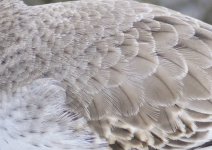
<point x="103" y="75"/>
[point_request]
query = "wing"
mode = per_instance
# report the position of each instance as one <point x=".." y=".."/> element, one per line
<point x="140" y="73"/>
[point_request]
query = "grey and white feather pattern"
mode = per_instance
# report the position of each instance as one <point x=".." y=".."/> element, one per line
<point x="35" y="117"/>
<point x="76" y="73"/>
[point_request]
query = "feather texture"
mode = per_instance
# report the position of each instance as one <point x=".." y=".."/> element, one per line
<point x="36" y="117"/>
<point x="139" y="74"/>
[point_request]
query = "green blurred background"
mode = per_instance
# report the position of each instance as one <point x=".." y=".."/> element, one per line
<point x="201" y="9"/>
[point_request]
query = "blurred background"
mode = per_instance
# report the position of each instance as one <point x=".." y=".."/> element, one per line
<point x="201" y="9"/>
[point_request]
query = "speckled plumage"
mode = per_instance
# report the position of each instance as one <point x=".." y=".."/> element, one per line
<point x="139" y="74"/>
<point x="35" y="117"/>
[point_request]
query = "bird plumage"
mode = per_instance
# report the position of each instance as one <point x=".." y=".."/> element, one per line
<point x="140" y="74"/>
<point x="36" y="117"/>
